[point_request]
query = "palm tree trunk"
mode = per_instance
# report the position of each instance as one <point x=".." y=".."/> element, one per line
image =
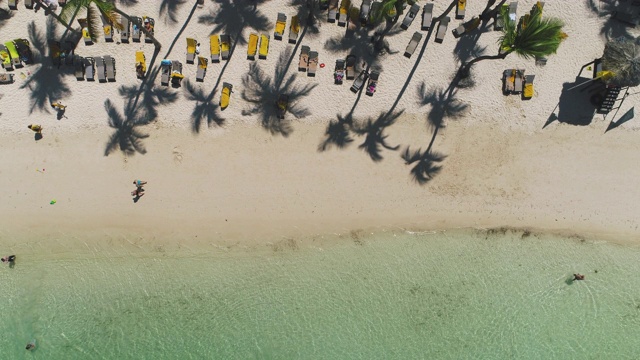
<point x="141" y="27"/>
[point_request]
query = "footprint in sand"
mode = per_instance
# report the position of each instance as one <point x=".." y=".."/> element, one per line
<point x="177" y="155"/>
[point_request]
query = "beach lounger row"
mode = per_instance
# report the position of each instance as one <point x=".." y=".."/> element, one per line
<point x="308" y="61"/>
<point x="105" y="68"/>
<point x="252" y="47"/>
<point x="344" y="68"/>
<point x="219" y="46"/>
<point x="281" y="24"/>
<point x="372" y="85"/>
<point x="15" y="53"/>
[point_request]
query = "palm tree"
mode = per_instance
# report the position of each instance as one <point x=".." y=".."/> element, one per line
<point x="538" y="38"/>
<point x="107" y="9"/>
<point x="383" y="12"/>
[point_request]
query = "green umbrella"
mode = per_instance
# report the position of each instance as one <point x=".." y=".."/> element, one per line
<point x="622" y="58"/>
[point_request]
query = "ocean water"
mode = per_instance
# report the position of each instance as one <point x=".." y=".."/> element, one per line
<point x="393" y="295"/>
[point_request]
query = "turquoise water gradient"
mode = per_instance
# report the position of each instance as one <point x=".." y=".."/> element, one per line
<point x="390" y="296"/>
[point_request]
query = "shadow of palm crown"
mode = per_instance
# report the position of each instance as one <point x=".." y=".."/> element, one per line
<point x="232" y="17"/>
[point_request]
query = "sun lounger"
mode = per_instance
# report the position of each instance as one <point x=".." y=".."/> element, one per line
<point x="294" y="30"/>
<point x="359" y="81"/>
<point x="141" y="64"/>
<point x="6" y="78"/>
<point x="89" y="69"/>
<point x="24" y="50"/>
<point x="68" y="50"/>
<point x="6" y="58"/>
<point x="413" y="44"/>
<point x="365" y="9"/>
<point x="202" y="68"/>
<point x="466" y="27"/>
<point x="528" y="87"/>
<point x="28" y="4"/>
<point x="512" y="81"/>
<point x="225" y="45"/>
<point x="411" y="15"/>
<point x="351" y="67"/>
<point x="191" y="50"/>
<point x="214" y="45"/>
<point x="427" y="16"/>
<point x="13" y="52"/>
<point x="176" y="73"/>
<point x="225" y="95"/>
<point x="54" y="52"/>
<point x="13" y="4"/>
<point x="252" y="47"/>
<point x="518" y="83"/>
<point x="339" y="72"/>
<point x="264" y="46"/>
<point x="281" y="105"/>
<point x="150" y="24"/>
<point x="135" y="34"/>
<point x="110" y="64"/>
<point x="313" y="63"/>
<point x="124" y="33"/>
<point x="281" y="23"/>
<point x="303" y="63"/>
<point x="333" y="10"/>
<point x="344" y="12"/>
<point x="100" y="69"/>
<point x="86" y="33"/>
<point x="498" y="24"/>
<point x="107" y="29"/>
<point x="461" y="6"/>
<point x="372" y="85"/>
<point x="165" y="71"/>
<point x="79" y="68"/>
<point x="442" y="29"/>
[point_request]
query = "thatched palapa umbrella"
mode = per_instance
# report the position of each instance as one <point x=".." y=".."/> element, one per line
<point x="621" y="59"/>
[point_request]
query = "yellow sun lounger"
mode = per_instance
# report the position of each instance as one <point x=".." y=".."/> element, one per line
<point x="528" y="87"/>
<point x="214" y="43"/>
<point x="252" y="47"/>
<point x="264" y="46"/>
<point x="226" y="94"/>
<point x="141" y="64"/>
<point x="294" y="30"/>
<point x="281" y="23"/>
<point x="86" y="34"/>
<point x="461" y="7"/>
<point x="225" y="45"/>
<point x="191" y="50"/>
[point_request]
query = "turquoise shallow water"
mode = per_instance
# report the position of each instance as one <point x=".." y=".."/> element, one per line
<point x="388" y="296"/>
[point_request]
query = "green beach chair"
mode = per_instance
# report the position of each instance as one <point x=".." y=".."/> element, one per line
<point x="6" y="59"/>
<point x="15" y="57"/>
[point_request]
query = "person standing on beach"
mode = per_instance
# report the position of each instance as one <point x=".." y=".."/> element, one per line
<point x="139" y="183"/>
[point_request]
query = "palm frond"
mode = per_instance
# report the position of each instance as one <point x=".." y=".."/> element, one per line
<point x="94" y="22"/>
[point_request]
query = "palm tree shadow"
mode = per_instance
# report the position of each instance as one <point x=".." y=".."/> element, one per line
<point x="204" y="108"/>
<point x="467" y="46"/>
<point x="360" y="44"/>
<point x="127" y="138"/>
<point x="169" y="8"/>
<point x="338" y="133"/>
<point x="152" y="96"/>
<point x="5" y="15"/>
<point x="373" y="131"/>
<point x="231" y="18"/>
<point x="426" y="164"/>
<point x="47" y="83"/>
<point x="309" y="15"/>
<point x="184" y="26"/>
<point x="611" y="27"/>
<point x="263" y="91"/>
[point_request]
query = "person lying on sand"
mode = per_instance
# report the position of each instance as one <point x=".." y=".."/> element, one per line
<point x="36" y="128"/>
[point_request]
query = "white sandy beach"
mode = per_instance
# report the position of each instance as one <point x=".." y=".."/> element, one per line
<point x="239" y="183"/>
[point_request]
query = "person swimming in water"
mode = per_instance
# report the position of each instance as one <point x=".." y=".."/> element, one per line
<point x="31" y="345"/>
<point x="9" y="259"/>
<point x="578" y="277"/>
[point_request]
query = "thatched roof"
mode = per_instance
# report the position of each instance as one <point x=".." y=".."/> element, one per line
<point x="622" y="57"/>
